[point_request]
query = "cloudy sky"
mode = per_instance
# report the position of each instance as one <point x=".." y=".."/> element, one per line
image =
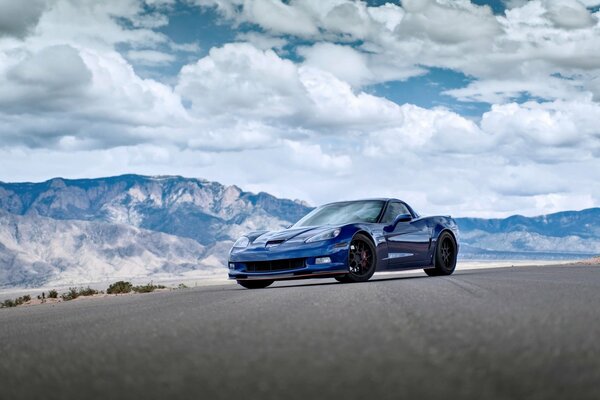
<point x="483" y="108"/>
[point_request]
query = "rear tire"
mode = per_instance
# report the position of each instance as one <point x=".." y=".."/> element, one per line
<point x="445" y="256"/>
<point x="258" y="284"/>
<point x="362" y="260"/>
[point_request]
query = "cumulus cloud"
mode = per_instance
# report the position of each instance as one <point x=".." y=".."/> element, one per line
<point x="551" y="132"/>
<point x="448" y="22"/>
<point x="17" y="18"/>
<point x="91" y="96"/>
<point x="539" y="39"/>
<point x="345" y="62"/>
<point x="356" y="67"/>
<point x="239" y="77"/>
<point x="299" y="120"/>
<point x="240" y="80"/>
<point x="52" y="78"/>
<point x="569" y="14"/>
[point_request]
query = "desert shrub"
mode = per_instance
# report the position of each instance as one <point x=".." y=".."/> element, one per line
<point x="88" y="291"/>
<point x="23" y="299"/>
<point x="147" y="288"/>
<point x="144" y="288"/>
<point x="72" y="294"/>
<point x="182" y="286"/>
<point x="53" y="294"/>
<point x="119" y="287"/>
<point x="8" y="303"/>
<point x="16" y="302"/>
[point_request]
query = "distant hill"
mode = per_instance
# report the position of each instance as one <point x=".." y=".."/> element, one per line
<point x="77" y="231"/>
<point x="563" y="235"/>
<point x="66" y="230"/>
<point x="201" y="210"/>
<point x="36" y="250"/>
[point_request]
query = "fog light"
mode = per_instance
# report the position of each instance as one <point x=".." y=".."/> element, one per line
<point x="231" y="265"/>
<point x="323" y="260"/>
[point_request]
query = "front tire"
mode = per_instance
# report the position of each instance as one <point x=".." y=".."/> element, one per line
<point x="362" y="260"/>
<point x="258" y="284"/>
<point x="445" y="256"/>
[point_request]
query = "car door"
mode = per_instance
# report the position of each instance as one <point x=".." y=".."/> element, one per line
<point x="407" y="240"/>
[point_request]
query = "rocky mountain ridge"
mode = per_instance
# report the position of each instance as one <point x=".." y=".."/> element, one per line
<point x="77" y="231"/>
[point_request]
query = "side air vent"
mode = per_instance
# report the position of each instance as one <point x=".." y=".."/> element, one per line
<point x="272" y="243"/>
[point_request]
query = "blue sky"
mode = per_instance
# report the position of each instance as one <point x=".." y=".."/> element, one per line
<point x="481" y="108"/>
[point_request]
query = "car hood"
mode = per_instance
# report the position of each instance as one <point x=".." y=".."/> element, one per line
<point x="291" y="234"/>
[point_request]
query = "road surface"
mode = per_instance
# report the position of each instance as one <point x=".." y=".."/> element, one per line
<point x="504" y="333"/>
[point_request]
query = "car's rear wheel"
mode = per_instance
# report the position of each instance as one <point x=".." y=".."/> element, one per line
<point x="255" y="284"/>
<point x="362" y="260"/>
<point x="445" y="256"/>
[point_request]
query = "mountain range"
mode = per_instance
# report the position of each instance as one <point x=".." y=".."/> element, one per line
<point x="75" y="231"/>
<point x="66" y="231"/>
<point x="562" y="235"/>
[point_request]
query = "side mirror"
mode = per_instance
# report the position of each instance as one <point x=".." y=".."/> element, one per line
<point x="399" y="218"/>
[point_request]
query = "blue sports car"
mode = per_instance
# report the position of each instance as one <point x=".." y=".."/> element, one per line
<point x="347" y="241"/>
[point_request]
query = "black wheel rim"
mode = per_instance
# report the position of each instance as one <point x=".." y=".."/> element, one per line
<point x="360" y="259"/>
<point x="447" y="252"/>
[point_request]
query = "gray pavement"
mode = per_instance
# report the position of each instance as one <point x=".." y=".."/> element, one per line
<point x="505" y="333"/>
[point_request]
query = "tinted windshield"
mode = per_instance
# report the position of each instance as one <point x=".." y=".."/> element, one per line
<point x="343" y="213"/>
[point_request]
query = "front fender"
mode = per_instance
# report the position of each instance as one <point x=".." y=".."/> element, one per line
<point x="376" y="235"/>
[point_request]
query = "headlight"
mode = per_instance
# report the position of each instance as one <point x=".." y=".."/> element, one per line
<point x="330" y="234"/>
<point x="241" y="243"/>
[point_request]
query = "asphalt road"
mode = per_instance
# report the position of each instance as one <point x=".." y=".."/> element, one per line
<point x="505" y="333"/>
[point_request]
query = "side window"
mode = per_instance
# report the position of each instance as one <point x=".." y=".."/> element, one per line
<point x="392" y="211"/>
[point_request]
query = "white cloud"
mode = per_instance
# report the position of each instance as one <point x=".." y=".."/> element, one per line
<point x="551" y="132"/>
<point x="243" y="79"/>
<point x="448" y="22"/>
<point x="17" y="18"/>
<point x="353" y="66"/>
<point x="261" y="41"/>
<point x="92" y="96"/>
<point x="71" y="105"/>
<point x="535" y="41"/>
<point x="150" y="57"/>
<point x="569" y="14"/>
<point x="498" y="91"/>
<point x="278" y="17"/>
<point x="53" y="78"/>
<point x="312" y="156"/>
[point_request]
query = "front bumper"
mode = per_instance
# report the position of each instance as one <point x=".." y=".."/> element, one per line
<point x="241" y="263"/>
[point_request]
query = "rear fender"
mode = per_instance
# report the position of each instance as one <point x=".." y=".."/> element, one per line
<point x="439" y="225"/>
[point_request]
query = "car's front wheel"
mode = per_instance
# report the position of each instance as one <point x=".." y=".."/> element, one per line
<point x="362" y="260"/>
<point x="255" y="284"/>
<point x="445" y="256"/>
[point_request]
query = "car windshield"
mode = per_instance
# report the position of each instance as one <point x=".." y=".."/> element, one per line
<point x="343" y="213"/>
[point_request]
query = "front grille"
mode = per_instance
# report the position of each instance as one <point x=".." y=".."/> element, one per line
<point x="276" y="265"/>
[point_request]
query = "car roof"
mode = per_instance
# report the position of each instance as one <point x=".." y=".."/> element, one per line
<point x="359" y="200"/>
